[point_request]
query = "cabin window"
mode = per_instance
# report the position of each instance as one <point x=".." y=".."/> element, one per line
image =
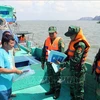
<point x="4" y="12"/>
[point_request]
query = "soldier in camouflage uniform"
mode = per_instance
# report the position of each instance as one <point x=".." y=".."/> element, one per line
<point x="76" y="52"/>
<point x="52" y="43"/>
<point x="96" y="69"/>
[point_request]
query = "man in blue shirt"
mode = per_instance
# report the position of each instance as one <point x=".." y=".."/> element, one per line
<point x="16" y="46"/>
<point x="6" y="67"/>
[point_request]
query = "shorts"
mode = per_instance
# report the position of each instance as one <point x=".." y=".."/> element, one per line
<point x="5" y="95"/>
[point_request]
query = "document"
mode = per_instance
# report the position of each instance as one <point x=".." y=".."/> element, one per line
<point x="56" y="56"/>
<point x="55" y="67"/>
<point x="27" y="71"/>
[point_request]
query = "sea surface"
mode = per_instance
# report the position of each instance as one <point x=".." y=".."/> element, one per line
<point x="39" y="30"/>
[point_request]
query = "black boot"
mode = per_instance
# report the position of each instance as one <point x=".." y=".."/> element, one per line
<point x="72" y="96"/>
<point x="56" y="94"/>
<point x="49" y="92"/>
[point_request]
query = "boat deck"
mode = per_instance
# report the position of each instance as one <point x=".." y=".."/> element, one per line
<point x="38" y="93"/>
<point x="33" y="87"/>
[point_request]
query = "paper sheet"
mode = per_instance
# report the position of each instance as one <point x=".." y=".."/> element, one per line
<point x="55" y="67"/>
<point x="27" y="71"/>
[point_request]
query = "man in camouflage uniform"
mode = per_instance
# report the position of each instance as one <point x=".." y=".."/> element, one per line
<point x="96" y="69"/>
<point x="52" y="43"/>
<point x="76" y="52"/>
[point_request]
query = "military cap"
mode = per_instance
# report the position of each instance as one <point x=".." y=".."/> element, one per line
<point x="72" y="30"/>
<point x="52" y="29"/>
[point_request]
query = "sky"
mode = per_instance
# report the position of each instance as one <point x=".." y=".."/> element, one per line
<point x="54" y="9"/>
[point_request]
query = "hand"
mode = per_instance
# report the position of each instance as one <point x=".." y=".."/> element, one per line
<point x="42" y="66"/>
<point x="50" y="62"/>
<point x="19" y="71"/>
<point x="57" y="62"/>
<point x="61" y="69"/>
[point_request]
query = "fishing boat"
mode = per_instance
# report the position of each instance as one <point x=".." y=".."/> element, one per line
<point x="8" y="13"/>
<point x="33" y="87"/>
<point x="98" y="22"/>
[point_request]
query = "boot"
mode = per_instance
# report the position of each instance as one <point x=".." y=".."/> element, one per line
<point x="51" y="91"/>
<point x="13" y="95"/>
<point x="56" y="94"/>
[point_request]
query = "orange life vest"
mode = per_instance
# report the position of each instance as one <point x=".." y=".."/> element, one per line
<point x="53" y="46"/>
<point x="10" y="22"/>
<point x="71" y="49"/>
<point x="98" y="67"/>
<point x="22" y="39"/>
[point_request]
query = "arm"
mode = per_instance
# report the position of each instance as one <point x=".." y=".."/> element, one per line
<point x="76" y="59"/>
<point x="8" y="71"/>
<point x="43" y="57"/>
<point x="61" y="49"/>
<point x="93" y="66"/>
<point x="61" y="45"/>
<point x="97" y="57"/>
<point x="3" y="65"/>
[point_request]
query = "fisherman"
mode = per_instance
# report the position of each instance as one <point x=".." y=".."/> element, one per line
<point x="22" y="38"/>
<point x="6" y="67"/>
<point x="3" y="28"/>
<point x="76" y="56"/>
<point x="16" y="45"/>
<point x="96" y="69"/>
<point x="52" y="43"/>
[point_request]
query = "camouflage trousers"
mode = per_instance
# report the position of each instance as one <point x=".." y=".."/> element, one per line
<point x="98" y="91"/>
<point x="53" y="78"/>
<point x="77" y="85"/>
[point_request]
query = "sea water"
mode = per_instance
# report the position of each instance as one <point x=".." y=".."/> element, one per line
<point x="39" y="30"/>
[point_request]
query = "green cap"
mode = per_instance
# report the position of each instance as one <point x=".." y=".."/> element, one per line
<point x="72" y="30"/>
<point x="52" y="29"/>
